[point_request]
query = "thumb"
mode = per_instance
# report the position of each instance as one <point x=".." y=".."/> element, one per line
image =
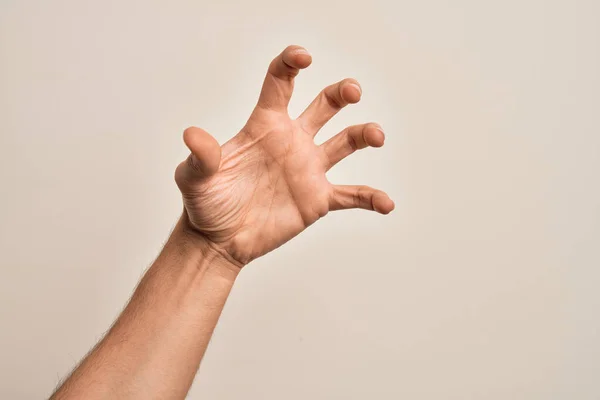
<point x="204" y="160"/>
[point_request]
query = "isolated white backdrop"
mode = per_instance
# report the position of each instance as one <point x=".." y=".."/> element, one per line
<point x="483" y="284"/>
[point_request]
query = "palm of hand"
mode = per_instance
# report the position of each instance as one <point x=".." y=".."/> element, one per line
<point x="267" y="184"/>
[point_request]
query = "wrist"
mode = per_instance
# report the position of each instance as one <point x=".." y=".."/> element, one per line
<point x="188" y="237"/>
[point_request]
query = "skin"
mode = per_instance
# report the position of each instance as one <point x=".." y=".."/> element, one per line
<point x="241" y="200"/>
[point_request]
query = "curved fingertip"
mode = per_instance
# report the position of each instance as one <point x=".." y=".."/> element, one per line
<point x="205" y="149"/>
<point x="382" y="203"/>
<point x="374" y="135"/>
<point x="351" y="92"/>
<point x="297" y="57"/>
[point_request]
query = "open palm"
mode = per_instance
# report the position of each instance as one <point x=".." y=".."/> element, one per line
<point x="267" y="184"/>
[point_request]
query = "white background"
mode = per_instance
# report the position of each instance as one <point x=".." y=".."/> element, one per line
<point x="482" y="284"/>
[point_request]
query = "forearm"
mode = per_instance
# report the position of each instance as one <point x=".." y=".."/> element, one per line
<point x="154" y="349"/>
<point x="251" y="195"/>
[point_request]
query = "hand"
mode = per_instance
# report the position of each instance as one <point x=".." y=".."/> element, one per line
<point x="267" y="184"/>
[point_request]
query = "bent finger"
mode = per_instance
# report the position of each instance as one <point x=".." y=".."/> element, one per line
<point x="349" y="140"/>
<point x="204" y="159"/>
<point x="344" y="197"/>
<point x="279" y="83"/>
<point x="328" y="103"/>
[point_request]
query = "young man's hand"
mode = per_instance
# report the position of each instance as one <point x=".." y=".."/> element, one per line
<point x="243" y="199"/>
<point x="268" y="183"/>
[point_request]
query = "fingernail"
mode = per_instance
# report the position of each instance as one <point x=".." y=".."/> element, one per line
<point x="382" y="134"/>
<point x="380" y="129"/>
<point x="356" y="86"/>
<point x="300" y="51"/>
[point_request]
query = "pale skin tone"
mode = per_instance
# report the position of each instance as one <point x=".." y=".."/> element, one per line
<point x="241" y="200"/>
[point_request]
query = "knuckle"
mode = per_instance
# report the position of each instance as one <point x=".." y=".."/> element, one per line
<point x="350" y="137"/>
<point x="332" y="96"/>
<point x="322" y="209"/>
<point x="357" y="197"/>
<point x="280" y="69"/>
<point x="192" y="163"/>
<point x="179" y="175"/>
